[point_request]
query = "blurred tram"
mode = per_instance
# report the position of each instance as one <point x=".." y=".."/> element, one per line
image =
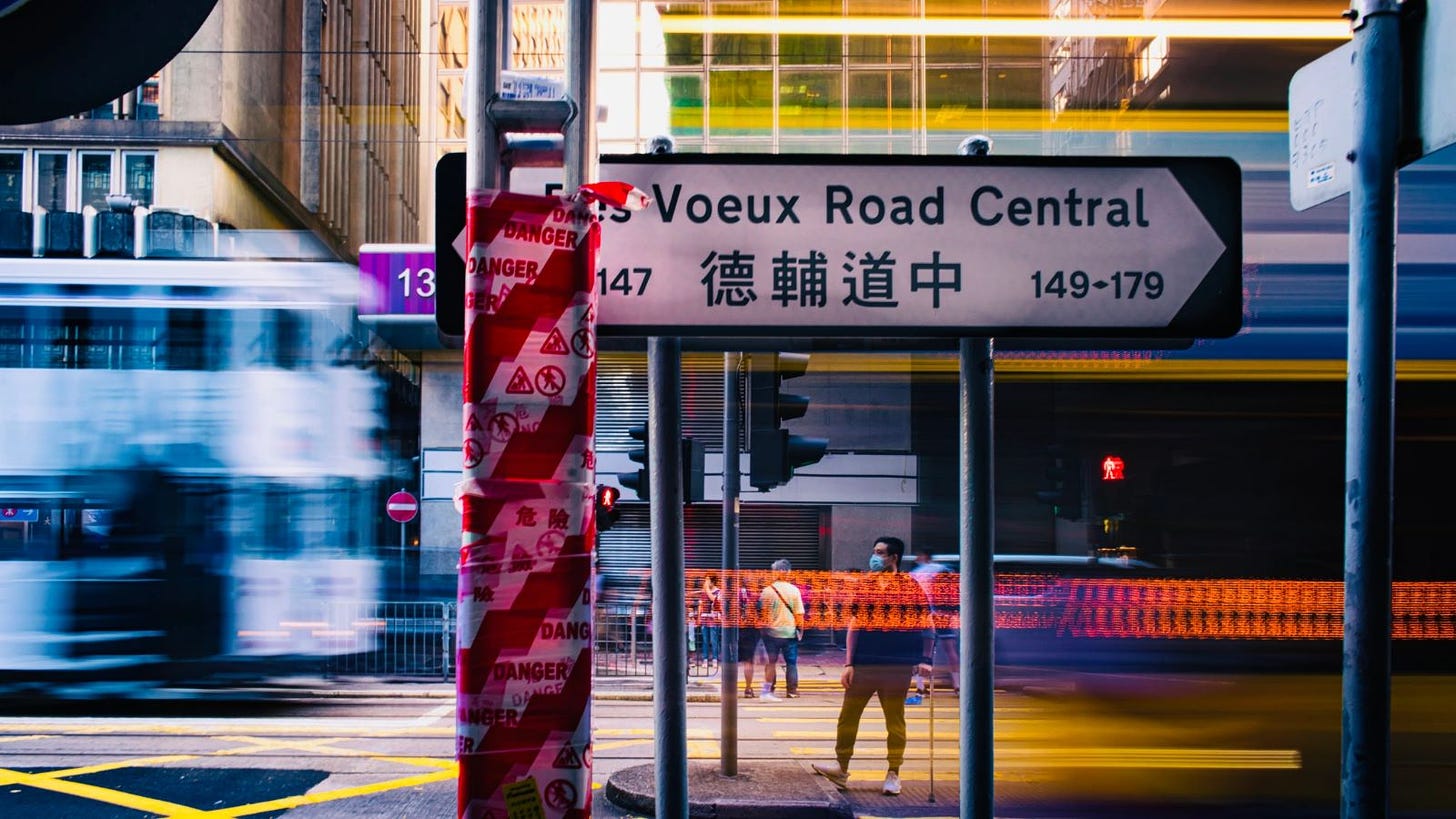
<point x="189" y="457"/>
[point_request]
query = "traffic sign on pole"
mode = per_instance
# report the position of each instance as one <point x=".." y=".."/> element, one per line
<point x="401" y="507"/>
<point x="753" y="245"/>
<point x="1025" y="247"/>
<point x="1321" y="128"/>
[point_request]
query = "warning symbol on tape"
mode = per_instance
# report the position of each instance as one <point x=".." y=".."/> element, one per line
<point x="560" y="794"/>
<point x="520" y="383"/>
<point x="474" y="453"/>
<point x="567" y="757"/>
<point x="581" y="343"/>
<point x="555" y="343"/>
<point x="550" y="380"/>
<point x="502" y="426"/>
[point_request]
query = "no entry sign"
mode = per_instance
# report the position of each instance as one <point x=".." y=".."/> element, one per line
<point x="402" y="507"/>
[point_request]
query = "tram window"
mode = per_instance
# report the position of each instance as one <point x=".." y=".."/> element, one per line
<point x="187" y="344"/>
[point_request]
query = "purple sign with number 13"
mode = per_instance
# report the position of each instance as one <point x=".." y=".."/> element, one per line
<point x="396" y="280"/>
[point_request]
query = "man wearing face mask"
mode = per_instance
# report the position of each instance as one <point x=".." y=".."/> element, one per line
<point x="880" y="658"/>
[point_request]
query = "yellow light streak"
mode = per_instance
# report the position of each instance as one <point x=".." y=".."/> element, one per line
<point x="959" y="118"/>
<point x="1002" y="27"/>
<point x="1110" y="757"/>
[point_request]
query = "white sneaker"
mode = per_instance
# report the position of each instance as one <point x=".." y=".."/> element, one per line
<point x="835" y="774"/>
<point x="768" y="696"/>
<point x="892" y="784"/>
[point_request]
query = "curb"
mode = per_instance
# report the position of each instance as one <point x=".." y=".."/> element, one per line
<point x="633" y="789"/>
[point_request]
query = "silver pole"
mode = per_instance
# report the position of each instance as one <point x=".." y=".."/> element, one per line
<point x="669" y="616"/>
<point x="580" y="146"/>
<point x="482" y="143"/>
<point x="1370" y="413"/>
<point x="978" y="764"/>
<point x="728" y="667"/>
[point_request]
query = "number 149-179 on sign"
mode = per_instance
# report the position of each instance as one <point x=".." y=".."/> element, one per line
<point x="1124" y="284"/>
<point x="629" y="281"/>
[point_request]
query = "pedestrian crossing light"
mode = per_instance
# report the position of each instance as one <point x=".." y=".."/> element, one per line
<point x="773" y="452"/>
<point x="607" y="510"/>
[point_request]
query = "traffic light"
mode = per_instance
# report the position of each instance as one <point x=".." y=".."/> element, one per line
<point x="607" y="511"/>
<point x="637" y="481"/>
<point x="692" y="470"/>
<point x="773" y="452"/>
<point x="1063" y="487"/>
<point x="692" y="467"/>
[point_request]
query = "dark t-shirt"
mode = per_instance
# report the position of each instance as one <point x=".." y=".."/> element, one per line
<point x="893" y="599"/>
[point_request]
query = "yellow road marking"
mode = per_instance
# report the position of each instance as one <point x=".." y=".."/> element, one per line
<point x="111" y="766"/>
<point x="702" y="749"/>
<point x="98" y="794"/>
<point x="26" y="737"/>
<point x="598" y="747"/>
<point x="253" y="745"/>
<point x="693" y="733"/>
<point x="290" y="802"/>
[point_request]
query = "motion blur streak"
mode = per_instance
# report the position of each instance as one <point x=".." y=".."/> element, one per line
<point x="1173" y="608"/>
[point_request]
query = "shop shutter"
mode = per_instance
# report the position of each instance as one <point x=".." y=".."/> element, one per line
<point x="622" y="399"/>
<point x="765" y="534"/>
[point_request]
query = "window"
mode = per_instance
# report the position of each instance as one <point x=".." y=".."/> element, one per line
<point x="95" y="180"/>
<point x="51" y="183"/>
<point x="12" y="181"/>
<point x="141" y="177"/>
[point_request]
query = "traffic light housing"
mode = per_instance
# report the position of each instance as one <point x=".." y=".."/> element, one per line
<point x="692" y="467"/>
<point x="1062" y="489"/>
<point x="637" y="481"/>
<point x="692" y="470"/>
<point x="607" y="510"/>
<point x="773" y="452"/>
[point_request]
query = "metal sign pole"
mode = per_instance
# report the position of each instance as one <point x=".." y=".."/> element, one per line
<point x="728" y="644"/>
<point x="669" y="616"/>
<point x="977" y="747"/>
<point x="1370" y="425"/>
<point x="977" y="546"/>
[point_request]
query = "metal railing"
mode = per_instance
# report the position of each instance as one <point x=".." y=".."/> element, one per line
<point x="415" y="639"/>
<point x="622" y="641"/>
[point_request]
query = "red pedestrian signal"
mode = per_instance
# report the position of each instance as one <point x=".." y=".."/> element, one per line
<point x="607" y="511"/>
<point x="1111" y="468"/>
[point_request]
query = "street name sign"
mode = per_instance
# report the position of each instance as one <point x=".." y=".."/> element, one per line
<point x="1321" y="128"/>
<point x="896" y="247"/>
<point x="753" y="245"/>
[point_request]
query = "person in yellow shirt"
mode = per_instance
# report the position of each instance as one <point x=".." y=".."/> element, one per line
<point x="783" y="622"/>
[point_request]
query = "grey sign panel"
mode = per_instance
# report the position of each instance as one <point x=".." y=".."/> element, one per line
<point x="753" y="245"/>
<point x="1438" y="77"/>
<point x="1321" y="128"/>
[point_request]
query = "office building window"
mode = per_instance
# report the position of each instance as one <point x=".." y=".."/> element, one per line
<point x="51" y="182"/>
<point x="95" y="180"/>
<point x="12" y="181"/>
<point x="141" y="177"/>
